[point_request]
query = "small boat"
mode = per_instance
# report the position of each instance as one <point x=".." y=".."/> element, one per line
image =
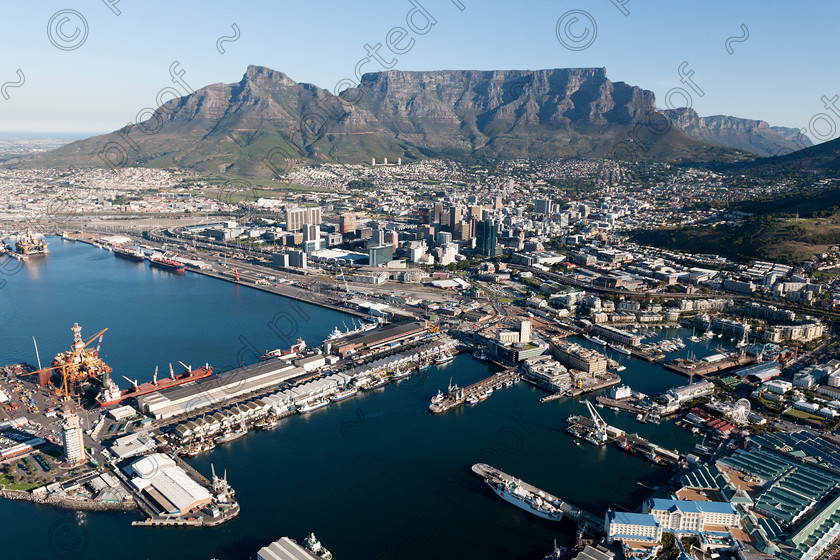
<point x="230" y="436"/>
<point x="576" y="442"/>
<point x="481" y="355"/>
<point x="400" y="373"/>
<point x="309" y="407"/>
<point x="483" y="396"/>
<point x="424" y="367"/>
<point x="444" y="358"/>
<point x="595" y="339"/>
<point x="267" y="424"/>
<point x="620" y="349"/>
<point x="344" y="394"/>
<point x="472" y="399"/>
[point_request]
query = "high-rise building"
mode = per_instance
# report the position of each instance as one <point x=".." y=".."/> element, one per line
<point x="475" y="212"/>
<point x="298" y="259"/>
<point x="456" y="216"/>
<point x="296" y="217"/>
<point x="346" y="223"/>
<point x="525" y="331"/>
<point x="543" y="206"/>
<point x="311" y="232"/>
<point x="392" y="238"/>
<point x="486" y="238"/>
<point x="437" y="210"/>
<point x="380" y="255"/>
<point x="71" y="434"/>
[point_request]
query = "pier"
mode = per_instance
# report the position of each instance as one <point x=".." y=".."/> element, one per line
<point x="460" y="396"/>
<point x="581" y="426"/>
<point x="589" y="521"/>
<point x="702" y="369"/>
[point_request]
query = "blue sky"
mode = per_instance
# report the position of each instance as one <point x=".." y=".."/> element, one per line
<point x="779" y="74"/>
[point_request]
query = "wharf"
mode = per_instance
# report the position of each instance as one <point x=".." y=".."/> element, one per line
<point x="570" y="511"/>
<point x="623" y="405"/>
<point x="704" y="369"/>
<point x="460" y="396"/>
<point x="646" y="355"/>
<point x="603" y="381"/>
<point x="630" y="443"/>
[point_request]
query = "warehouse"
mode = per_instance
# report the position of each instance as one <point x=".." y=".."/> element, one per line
<point x="167" y="485"/>
<point x="402" y="333"/>
<point x="217" y="389"/>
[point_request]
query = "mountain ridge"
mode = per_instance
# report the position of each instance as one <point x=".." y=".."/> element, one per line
<point x="267" y="122"/>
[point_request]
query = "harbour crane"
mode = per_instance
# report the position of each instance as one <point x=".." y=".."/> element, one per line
<point x="600" y="424"/>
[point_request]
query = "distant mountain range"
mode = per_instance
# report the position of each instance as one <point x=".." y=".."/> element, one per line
<point x="267" y="122"/>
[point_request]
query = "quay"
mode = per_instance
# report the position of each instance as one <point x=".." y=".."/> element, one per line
<point x="646" y="355"/>
<point x="623" y="405"/>
<point x="702" y="370"/>
<point x="493" y="477"/>
<point x="583" y="426"/>
<point x="459" y="396"/>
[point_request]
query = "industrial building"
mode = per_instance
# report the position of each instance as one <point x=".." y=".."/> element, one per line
<point x="162" y="482"/>
<point x="371" y="341"/>
<point x="217" y="389"/>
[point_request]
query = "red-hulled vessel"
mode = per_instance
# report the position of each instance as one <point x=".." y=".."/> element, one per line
<point x="112" y="395"/>
<point x="124" y="252"/>
<point x="160" y="261"/>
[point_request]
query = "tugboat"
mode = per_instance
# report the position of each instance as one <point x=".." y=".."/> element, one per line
<point x="438" y="398"/>
<point x="481" y="355"/>
<point x="314" y="546"/>
<point x="444" y="358"/>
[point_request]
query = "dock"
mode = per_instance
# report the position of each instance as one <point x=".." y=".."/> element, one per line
<point x="702" y="369"/>
<point x="571" y="512"/>
<point x="630" y="443"/>
<point x="460" y="396"/>
<point x="645" y="354"/>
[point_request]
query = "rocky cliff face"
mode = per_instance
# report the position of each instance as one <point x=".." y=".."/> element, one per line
<point x="749" y="135"/>
<point x="545" y="113"/>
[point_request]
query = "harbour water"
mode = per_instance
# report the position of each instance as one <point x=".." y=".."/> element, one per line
<point x="375" y="476"/>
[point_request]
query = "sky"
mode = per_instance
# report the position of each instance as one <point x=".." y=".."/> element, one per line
<point x="92" y="66"/>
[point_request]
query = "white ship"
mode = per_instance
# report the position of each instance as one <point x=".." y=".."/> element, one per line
<point x="595" y="339"/>
<point x="620" y="349"/>
<point x="513" y="492"/>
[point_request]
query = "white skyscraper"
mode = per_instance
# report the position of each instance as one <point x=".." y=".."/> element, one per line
<point x="74" y="446"/>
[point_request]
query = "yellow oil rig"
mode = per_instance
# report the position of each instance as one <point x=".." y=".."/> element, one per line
<point x="75" y="370"/>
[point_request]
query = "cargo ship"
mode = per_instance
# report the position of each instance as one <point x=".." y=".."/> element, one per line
<point x="159" y="261"/>
<point x="111" y="394"/>
<point x="29" y="245"/>
<point x="128" y="253"/>
<point x="514" y="492"/>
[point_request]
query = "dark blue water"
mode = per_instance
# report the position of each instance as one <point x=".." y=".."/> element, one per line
<point x="374" y="477"/>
